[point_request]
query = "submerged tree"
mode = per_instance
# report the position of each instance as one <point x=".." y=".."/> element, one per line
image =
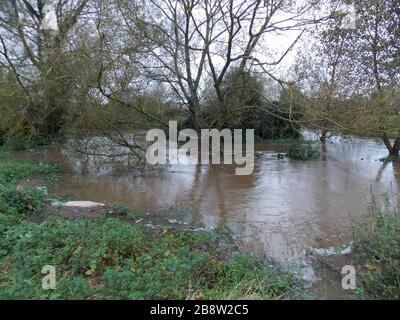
<point x="371" y="51"/>
<point x="376" y="45"/>
<point x="323" y="70"/>
<point x="353" y="79"/>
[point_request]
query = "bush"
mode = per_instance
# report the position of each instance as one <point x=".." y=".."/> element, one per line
<point x="23" y="201"/>
<point x="377" y="247"/>
<point x="10" y="171"/>
<point x="110" y="259"/>
<point x="244" y="278"/>
<point x="4" y="155"/>
<point x="16" y="204"/>
<point x="2" y="137"/>
<point x="20" y="140"/>
<point x="303" y="151"/>
<point x="123" y="211"/>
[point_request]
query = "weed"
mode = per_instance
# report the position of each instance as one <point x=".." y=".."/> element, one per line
<point x="304" y="151"/>
<point x="377" y="247"/>
<point x="108" y="258"/>
<point x="12" y="171"/>
<point x="390" y="159"/>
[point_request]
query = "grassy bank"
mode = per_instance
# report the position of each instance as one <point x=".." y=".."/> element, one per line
<point x="109" y="258"/>
<point x="377" y="253"/>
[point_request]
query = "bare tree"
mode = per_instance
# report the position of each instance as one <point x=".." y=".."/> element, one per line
<point x="187" y="43"/>
<point x="374" y="50"/>
<point x="360" y="71"/>
<point x="324" y="69"/>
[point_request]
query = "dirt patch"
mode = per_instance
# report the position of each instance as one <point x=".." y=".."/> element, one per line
<point x="74" y="212"/>
<point x="31" y="184"/>
<point x="154" y="221"/>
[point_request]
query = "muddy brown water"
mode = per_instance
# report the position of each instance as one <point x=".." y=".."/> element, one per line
<point x="283" y="209"/>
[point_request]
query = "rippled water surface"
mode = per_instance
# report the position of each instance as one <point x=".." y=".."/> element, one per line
<point x="280" y="210"/>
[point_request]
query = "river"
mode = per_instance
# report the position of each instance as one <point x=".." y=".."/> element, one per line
<point x="278" y="211"/>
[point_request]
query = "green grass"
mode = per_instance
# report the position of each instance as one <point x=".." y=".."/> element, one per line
<point x="4" y="154"/>
<point x="377" y="248"/>
<point x="20" y="141"/>
<point x="123" y="211"/>
<point x="283" y="141"/>
<point x="390" y="159"/>
<point x="16" y="203"/>
<point x="303" y="151"/>
<point x="13" y="170"/>
<point x="110" y="258"/>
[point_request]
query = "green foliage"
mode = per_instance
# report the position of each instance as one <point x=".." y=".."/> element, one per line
<point x="390" y="159"/>
<point x="303" y="151"/>
<point x="14" y="170"/>
<point x="22" y="141"/>
<point x="245" y="107"/>
<point x="4" y="154"/>
<point x="15" y="207"/>
<point x="123" y="211"/>
<point x="30" y="200"/>
<point x="114" y="260"/>
<point x="17" y="203"/>
<point x="166" y="271"/>
<point x="72" y="288"/>
<point x="109" y="258"/>
<point x="244" y="278"/>
<point x="377" y="247"/>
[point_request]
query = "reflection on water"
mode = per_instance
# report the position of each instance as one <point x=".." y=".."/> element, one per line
<point x="279" y="210"/>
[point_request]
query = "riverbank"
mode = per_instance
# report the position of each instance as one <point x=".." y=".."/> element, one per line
<point x="89" y="244"/>
<point x="108" y="256"/>
<point x="377" y="251"/>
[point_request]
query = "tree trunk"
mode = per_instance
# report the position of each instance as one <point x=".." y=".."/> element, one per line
<point x="393" y="149"/>
<point x="396" y="146"/>
<point x="198" y="119"/>
<point x="322" y="138"/>
<point x="2" y="137"/>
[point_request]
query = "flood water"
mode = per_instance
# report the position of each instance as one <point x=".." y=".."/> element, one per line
<point x="279" y="211"/>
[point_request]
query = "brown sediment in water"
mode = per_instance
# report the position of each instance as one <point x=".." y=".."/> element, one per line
<point x="280" y="210"/>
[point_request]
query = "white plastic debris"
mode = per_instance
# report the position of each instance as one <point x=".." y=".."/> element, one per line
<point x="83" y="204"/>
<point x="332" y="251"/>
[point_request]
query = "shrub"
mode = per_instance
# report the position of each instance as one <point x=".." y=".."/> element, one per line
<point x="20" y="140"/>
<point x="244" y="278"/>
<point x="123" y="211"/>
<point x="377" y="247"/>
<point x="303" y="151"/>
<point x="16" y="204"/>
<point x="114" y="260"/>
<point x="4" y="154"/>
<point x="12" y="171"/>
<point x="110" y="258"/>
<point x="78" y="249"/>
